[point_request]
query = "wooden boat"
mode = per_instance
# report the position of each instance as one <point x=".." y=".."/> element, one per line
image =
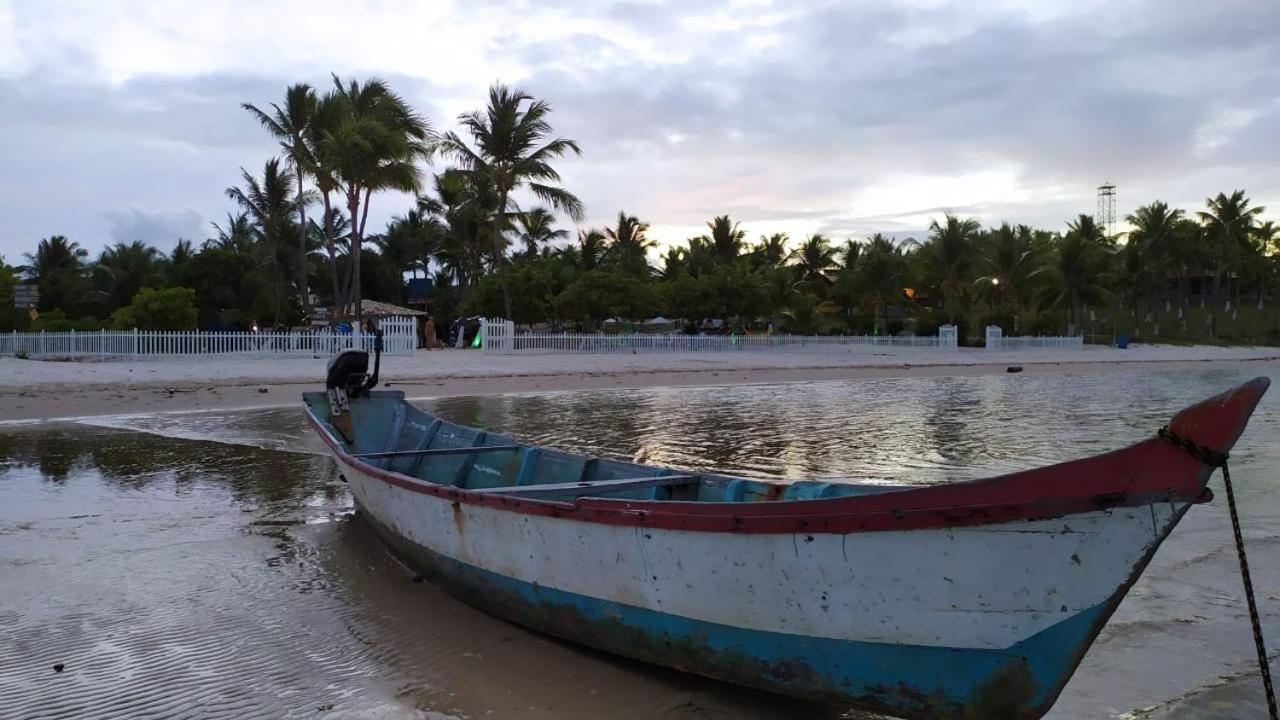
<point x="968" y="600"/>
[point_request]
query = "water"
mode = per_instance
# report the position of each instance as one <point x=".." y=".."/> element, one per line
<point x="208" y="564"/>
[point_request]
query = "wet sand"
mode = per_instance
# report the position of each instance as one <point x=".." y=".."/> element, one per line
<point x="210" y="565"/>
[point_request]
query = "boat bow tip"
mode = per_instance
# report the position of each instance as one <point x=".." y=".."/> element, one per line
<point x="1217" y="423"/>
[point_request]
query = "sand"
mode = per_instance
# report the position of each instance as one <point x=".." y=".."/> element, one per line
<point x="31" y="389"/>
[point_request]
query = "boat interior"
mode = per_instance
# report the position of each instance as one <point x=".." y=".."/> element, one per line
<point x="389" y="433"/>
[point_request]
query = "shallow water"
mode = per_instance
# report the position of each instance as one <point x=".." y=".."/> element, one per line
<point x="209" y="565"/>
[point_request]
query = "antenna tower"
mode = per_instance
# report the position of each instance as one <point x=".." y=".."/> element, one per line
<point x="1106" y="217"/>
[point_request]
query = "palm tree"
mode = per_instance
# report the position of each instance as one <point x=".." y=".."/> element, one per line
<point x="1267" y="236"/>
<point x="947" y="258"/>
<point x="58" y="268"/>
<point x="1074" y="275"/>
<point x="124" y="269"/>
<point x="629" y="247"/>
<point x="236" y="236"/>
<point x="1010" y="263"/>
<point x="851" y="250"/>
<point x="289" y="126"/>
<point x="1155" y="238"/>
<point x="726" y="239"/>
<point x="402" y="247"/>
<point x="1087" y="228"/>
<point x="675" y="263"/>
<point x="815" y="257"/>
<point x="182" y="253"/>
<point x="269" y="206"/>
<point x="537" y="229"/>
<point x="1228" y="222"/>
<point x="878" y="276"/>
<point x="459" y="215"/>
<point x="591" y="249"/>
<point x="512" y="152"/>
<point x="367" y="140"/>
<point x="771" y="251"/>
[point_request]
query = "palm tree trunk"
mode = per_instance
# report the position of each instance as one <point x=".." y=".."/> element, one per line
<point x="302" y="244"/>
<point x="499" y="257"/>
<point x="333" y="253"/>
<point x="353" y="207"/>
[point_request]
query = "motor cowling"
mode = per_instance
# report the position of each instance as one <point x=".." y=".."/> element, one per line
<point x="348" y="370"/>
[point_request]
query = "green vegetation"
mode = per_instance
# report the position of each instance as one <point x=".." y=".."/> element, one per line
<point x="167" y="309"/>
<point x="485" y="231"/>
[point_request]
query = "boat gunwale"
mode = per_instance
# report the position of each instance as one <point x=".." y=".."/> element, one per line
<point x="1133" y="479"/>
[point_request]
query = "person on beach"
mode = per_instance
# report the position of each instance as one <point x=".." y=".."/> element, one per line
<point x="429" y="335"/>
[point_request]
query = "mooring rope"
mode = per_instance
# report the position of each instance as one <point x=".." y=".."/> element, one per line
<point x="1216" y="459"/>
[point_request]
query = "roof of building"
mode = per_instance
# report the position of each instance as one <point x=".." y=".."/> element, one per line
<point x="377" y="308"/>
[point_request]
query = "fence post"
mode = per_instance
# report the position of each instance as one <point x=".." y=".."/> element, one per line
<point x="135" y="342"/>
<point x="948" y="336"/>
<point x="994" y="336"/>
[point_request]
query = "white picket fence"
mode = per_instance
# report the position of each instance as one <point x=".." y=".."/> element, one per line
<point x="499" y="336"/>
<point x="997" y="341"/>
<point x="399" y="337"/>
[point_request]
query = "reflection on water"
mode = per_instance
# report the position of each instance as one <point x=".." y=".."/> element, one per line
<point x="207" y="564"/>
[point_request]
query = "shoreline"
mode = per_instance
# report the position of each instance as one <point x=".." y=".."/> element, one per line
<point x="46" y="391"/>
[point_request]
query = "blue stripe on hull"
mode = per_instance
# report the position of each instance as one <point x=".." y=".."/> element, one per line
<point x="909" y="681"/>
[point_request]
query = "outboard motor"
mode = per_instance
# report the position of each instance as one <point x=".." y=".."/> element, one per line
<point x="348" y="370"/>
<point x="347" y="376"/>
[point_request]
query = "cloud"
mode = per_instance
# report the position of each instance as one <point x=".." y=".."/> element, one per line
<point x="815" y="116"/>
<point x="159" y="229"/>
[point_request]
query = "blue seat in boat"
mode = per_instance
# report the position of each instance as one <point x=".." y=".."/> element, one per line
<point x="735" y="491"/>
<point x="809" y="491"/>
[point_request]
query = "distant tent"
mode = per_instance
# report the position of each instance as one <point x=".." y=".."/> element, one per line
<point x="659" y="320"/>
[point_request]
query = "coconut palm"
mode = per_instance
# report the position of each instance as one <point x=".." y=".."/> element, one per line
<point x="1228" y="221"/>
<point x="537" y="229"/>
<point x="1157" y="243"/>
<point x="848" y="253"/>
<point x="365" y="139"/>
<point x="269" y="206"/>
<point x="58" y="268"/>
<point x="591" y="249"/>
<point x="629" y="247"/>
<point x="124" y="269"/>
<point x="460" y="211"/>
<point x="726" y="239"/>
<point x="511" y="152"/>
<point x="402" y="247"/>
<point x="771" y="251"/>
<point x="947" y="258"/>
<point x="235" y="235"/>
<point x="675" y="263"/>
<point x="289" y="125"/>
<point x="1074" y="275"/>
<point x="814" y="259"/>
<point x="878" y="276"/>
<point x="1010" y="262"/>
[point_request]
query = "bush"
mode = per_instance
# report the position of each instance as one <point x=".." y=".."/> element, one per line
<point x="57" y="321"/>
<point x="1004" y="319"/>
<point x="168" y="309"/>
<point x="1048" y="322"/>
<point x="926" y="323"/>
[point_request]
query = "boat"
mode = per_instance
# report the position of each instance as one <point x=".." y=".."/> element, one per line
<point x="974" y="599"/>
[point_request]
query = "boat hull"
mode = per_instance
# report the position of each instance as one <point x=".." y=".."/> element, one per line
<point x="863" y="619"/>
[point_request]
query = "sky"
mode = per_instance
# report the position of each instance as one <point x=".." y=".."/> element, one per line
<point x="122" y="121"/>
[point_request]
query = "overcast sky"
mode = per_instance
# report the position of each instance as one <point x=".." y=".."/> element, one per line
<point x="122" y="121"/>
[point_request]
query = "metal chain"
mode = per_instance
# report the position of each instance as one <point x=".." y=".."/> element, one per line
<point x="1216" y="459"/>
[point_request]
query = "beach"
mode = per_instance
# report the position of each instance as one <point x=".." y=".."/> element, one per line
<point x="36" y="390"/>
